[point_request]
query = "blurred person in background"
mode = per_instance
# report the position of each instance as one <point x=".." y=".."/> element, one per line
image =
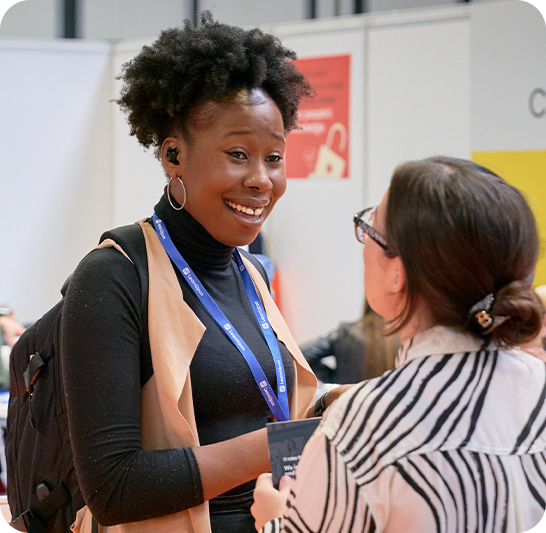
<point x="10" y="328"/>
<point x="354" y="351"/>
<point x="10" y="331"/>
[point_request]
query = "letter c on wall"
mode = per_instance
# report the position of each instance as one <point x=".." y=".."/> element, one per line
<point x="535" y="101"/>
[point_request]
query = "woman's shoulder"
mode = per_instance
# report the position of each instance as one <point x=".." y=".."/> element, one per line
<point x="385" y="417"/>
<point x="104" y="261"/>
<point x="104" y="269"/>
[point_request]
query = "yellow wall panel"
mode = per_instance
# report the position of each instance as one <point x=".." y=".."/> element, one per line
<point x="526" y="170"/>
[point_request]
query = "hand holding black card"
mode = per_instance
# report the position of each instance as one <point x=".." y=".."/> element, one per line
<point x="286" y="443"/>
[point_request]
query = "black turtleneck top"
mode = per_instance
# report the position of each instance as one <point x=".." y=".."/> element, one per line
<point x="103" y="373"/>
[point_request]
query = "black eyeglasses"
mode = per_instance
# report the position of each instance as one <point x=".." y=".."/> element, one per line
<point x="364" y="228"/>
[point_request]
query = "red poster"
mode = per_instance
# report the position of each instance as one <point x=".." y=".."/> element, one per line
<point x="321" y="147"/>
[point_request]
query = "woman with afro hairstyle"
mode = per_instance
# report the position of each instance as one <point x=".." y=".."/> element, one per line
<point x="170" y="436"/>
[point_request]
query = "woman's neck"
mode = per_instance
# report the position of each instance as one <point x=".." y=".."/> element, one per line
<point x="420" y="321"/>
<point x="191" y="239"/>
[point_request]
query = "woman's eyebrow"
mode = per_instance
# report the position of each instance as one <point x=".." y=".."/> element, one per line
<point x="236" y="132"/>
<point x="248" y="132"/>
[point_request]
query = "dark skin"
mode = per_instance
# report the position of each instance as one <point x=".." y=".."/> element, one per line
<point x="220" y="463"/>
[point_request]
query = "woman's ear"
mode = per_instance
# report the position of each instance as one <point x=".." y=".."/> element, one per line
<point x="398" y="289"/>
<point x="398" y="276"/>
<point x="171" y="152"/>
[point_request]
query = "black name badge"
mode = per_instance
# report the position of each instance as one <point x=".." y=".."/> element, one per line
<point x="286" y="443"/>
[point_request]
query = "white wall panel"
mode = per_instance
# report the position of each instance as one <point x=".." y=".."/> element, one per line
<point x="55" y="150"/>
<point x="508" y="65"/>
<point x="138" y="177"/>
<point x="418" y="88"/>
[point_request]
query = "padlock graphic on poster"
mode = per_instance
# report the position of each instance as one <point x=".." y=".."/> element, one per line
<point x="329" y="163"/>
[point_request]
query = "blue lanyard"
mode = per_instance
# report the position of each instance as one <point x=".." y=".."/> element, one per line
<point x="279" y="407"/>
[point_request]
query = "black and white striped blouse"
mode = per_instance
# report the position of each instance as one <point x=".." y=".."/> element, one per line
<point x="450" y="441"/>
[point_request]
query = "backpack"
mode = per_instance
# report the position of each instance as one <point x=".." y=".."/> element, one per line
<point x="43" y="490"/>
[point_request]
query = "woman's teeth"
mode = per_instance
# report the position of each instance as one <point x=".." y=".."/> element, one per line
<point x="248" y="210"/>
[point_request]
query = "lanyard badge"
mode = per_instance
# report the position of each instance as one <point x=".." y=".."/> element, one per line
<point x="277" y="403"/>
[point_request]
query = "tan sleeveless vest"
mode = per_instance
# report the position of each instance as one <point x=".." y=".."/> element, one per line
<point x="168" y="419"/>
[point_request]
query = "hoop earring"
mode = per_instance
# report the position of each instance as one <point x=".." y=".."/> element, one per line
<point x="169" y="194"/>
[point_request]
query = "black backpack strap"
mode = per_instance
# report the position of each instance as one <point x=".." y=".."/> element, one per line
<point x="31" y="374"/>
<point x="131" y="239"/>
<point x="38" y="360"/>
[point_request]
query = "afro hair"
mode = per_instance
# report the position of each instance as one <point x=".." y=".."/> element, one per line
<point x="188" y="66"/>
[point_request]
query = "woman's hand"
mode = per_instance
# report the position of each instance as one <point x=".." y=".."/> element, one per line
<point x="268" y="501"/>
<point x="329" y="398"/>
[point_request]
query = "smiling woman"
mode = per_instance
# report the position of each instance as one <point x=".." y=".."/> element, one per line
<point x="168" y="433"/>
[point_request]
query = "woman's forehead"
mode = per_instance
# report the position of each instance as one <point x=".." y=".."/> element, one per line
<point x="205" y="114"/>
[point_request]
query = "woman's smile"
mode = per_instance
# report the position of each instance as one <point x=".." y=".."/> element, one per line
<point x="249" y="209"/>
